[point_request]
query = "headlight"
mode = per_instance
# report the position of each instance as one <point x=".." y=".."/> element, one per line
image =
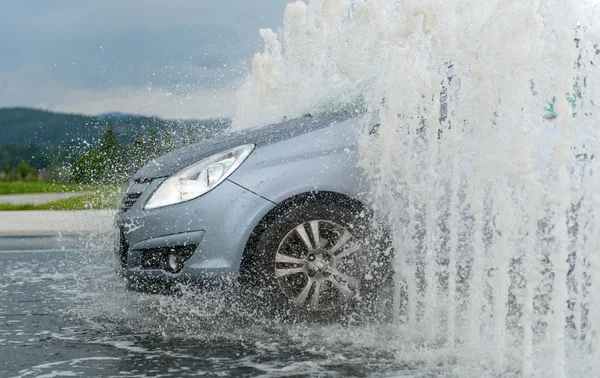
<point x="198" y="178"/>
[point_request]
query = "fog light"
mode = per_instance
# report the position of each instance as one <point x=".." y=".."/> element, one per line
<point x="174" y="263"/>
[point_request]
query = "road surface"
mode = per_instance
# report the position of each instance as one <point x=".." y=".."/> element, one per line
<point x="64" y="312"/>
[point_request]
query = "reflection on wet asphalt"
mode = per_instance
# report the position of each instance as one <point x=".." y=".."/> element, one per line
<point x="65" y="313"/>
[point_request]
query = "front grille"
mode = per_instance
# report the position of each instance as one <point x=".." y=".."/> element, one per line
<point x="129" y="200"/>
<point x="133" y="193"/>
<point x="123" y="247"/>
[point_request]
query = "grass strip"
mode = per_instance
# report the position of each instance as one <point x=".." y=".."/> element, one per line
<point x="105" y="198"/>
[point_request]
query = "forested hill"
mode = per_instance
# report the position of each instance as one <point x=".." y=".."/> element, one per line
<point x="42" y="139"/>
<point x="25" y="126"/>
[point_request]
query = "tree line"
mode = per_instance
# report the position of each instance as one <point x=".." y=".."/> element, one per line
<point x="43" y="145"/>
<point x="113" y="162"/>
<point x="109" y="161"/>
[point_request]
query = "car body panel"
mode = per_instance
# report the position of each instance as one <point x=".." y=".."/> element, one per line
<point x="220" y="222"/>
<point x="172" y="162"/>
<point x="320" y="160"/>
<point x="172" y="240"/>
<point x="305" y="155"/>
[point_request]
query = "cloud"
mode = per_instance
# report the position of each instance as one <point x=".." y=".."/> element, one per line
<point x="198" y="105"/>
<point x="187" y="102"/>
<point x="53" y="52"/>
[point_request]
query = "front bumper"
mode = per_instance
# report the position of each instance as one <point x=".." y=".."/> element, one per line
<point x="205" y="237"/>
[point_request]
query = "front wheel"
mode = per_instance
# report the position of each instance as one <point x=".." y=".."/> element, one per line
<point x="319" y="257"/>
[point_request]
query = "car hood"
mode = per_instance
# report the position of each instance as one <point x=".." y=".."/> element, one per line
<point x="174" y="161"/>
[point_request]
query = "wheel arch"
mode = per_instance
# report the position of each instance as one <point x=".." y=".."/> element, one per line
<point x="249" y="253"/>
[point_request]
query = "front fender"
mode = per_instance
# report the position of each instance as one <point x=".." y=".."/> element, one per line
<point x="322" y="160"/>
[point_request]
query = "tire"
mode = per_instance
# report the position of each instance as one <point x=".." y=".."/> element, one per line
<point x="317" y="258"/>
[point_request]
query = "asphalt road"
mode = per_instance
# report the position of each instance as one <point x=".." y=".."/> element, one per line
<point x="64" y="312"/>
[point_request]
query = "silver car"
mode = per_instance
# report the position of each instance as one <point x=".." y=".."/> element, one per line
<point x="282" y="209"/>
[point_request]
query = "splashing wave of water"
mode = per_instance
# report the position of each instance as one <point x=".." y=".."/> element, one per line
<point x="485" y="163"/>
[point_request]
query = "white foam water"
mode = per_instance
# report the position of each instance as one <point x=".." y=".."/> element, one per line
<point x="484" y="165"/>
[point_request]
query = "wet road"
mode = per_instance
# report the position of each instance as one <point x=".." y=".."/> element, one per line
<point x="65" y="313"/>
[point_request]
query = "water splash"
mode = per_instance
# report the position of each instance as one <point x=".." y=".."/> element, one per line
<point x="484" y="164"/>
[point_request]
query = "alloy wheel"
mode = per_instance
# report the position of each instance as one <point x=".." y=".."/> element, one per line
<point x="317" y="267"/>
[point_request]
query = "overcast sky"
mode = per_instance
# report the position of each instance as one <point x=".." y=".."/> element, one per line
<point x="175" y="59"/>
